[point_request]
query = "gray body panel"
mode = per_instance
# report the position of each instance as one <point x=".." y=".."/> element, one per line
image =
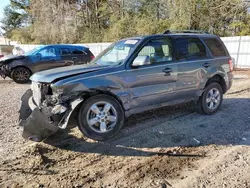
<point x="146" y="88"/>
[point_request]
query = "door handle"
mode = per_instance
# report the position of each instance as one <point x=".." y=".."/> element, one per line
<point x="74" y="58"/>
<point x="206" y="65"/>
<point x="167" y="71"/>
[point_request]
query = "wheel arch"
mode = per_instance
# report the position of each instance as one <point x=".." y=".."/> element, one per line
<point x="218" y="79"/>
<point x="20" y="66"/>
<point x="105" y="92"/>
<point x="86" y="96"/>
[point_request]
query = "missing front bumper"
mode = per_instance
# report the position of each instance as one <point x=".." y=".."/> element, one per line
<point x="4" y="72"/>
<point x="36" y="125"/>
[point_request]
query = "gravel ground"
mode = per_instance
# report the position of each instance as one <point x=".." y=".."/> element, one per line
<point x="168" y="147"/>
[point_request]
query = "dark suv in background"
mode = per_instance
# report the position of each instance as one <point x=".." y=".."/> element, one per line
<point x="131" y="76"/>
<point x="20" y="68"/>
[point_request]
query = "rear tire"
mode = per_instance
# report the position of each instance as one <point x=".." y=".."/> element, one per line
<point x="21" y="75"/>
<point x="100" y="117"/>
<point x="211" y="99"/>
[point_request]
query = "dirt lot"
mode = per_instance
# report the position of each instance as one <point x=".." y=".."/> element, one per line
<point x="169" y="147"/>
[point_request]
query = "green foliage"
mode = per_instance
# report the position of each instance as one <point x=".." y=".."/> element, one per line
<point x="120" y="28"/>
<point x="22" y="35"/>
<point x="20" y="4"/>
<point x="73" y="21"/>
<point x="11" y="20"/>
<point x="16" y="21"/>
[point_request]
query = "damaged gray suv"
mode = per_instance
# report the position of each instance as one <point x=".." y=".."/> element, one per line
<point x="131" y="76"/>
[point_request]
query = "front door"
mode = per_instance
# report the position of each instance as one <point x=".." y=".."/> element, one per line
<point x="46" y="58"/>
<point x="153" y="83"/>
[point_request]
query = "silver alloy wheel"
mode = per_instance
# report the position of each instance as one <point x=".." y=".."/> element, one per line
<point x="102" y="117"/>
<point x="213" y="99"/>
<point x="21" y="74"/>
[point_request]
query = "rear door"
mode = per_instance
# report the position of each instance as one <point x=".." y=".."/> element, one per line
<point x="74" y="55"/>
<point x="218" y="52"/>
<point x="79" y="55"/>
<point x="66" y="56"/>
<point x="155" y="83"/>
<point x="192" y="59"/>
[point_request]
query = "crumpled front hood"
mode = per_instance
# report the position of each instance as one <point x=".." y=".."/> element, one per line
<point x="50" y="75"/>
<point x="7" y="59"/>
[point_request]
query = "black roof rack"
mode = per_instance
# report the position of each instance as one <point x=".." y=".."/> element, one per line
<point x="185" y="31"/>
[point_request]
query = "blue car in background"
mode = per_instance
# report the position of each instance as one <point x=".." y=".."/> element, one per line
<point x="20" y="68"/>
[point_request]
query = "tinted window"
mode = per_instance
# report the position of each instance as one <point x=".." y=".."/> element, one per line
<point x="158" y="50"/>
<point x="215" y="47"/>
<point x="76" y="51"/>
<point x="65" y="51"/>
<point x="71" y="51"/>
<point x="189" y="49"/>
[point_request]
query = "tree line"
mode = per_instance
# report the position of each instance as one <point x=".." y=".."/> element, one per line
<point x="86" y="21"/>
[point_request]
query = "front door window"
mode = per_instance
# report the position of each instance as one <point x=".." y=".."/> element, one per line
<point x="156" y="51"/>
<point x="47" y="53"/>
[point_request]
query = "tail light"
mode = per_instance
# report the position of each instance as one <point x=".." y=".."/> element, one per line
<point x="92" y="57"/>
<point x="231" y="65"/>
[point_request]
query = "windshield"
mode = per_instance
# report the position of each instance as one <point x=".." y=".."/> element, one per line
<point x="116" y="53"/>
<point x="31" y="52"/>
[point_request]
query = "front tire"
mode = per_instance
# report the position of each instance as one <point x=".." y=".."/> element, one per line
<point x="21" y="75"/>
<point x="211" y="99"/>
<point x="100" y="117"/>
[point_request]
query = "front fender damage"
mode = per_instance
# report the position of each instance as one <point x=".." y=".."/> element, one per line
<point x="39" y="122"/>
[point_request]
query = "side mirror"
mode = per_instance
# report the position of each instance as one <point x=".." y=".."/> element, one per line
<point x="141" y="60"/>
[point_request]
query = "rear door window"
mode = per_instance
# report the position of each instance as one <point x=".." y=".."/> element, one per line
<point x="190" y="49"/>
<point x="75" y="51"/>
<point x="64" y="51"/>
<point x="71" y="51"/>
<point x="215" y="47"/>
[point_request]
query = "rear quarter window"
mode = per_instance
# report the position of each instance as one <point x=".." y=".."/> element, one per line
<point x="215" y="47"/>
